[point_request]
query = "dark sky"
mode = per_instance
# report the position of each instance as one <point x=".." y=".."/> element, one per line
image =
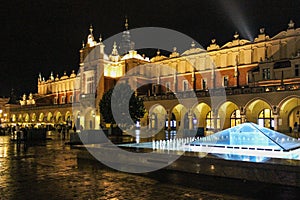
<point x="45" y="36"/>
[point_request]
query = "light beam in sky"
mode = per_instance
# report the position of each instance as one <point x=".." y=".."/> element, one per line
<point x="236" y="16"/>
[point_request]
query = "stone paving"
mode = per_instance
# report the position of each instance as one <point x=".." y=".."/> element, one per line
<point x="51" y="171"/>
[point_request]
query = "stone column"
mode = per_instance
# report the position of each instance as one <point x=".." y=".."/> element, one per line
<point x="276" y="116"/>
<point x="153" y="124"/>
<point x="276" y="122"/>
<point x="215" y="119"/>
<point x="149" y="121"/>
<point x="243" y="114"/>
<point x="190" y="116"/>
<point x="169" y="119"/>
<point x="243" y="118"/>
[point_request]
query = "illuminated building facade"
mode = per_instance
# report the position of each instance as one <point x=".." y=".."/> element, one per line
<point x="261" y="80"/>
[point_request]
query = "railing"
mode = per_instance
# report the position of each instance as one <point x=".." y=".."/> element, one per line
<point x="35" y="107"/>
<point x="222" y="92"/>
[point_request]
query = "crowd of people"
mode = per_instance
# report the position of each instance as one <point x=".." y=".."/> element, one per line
<point x="19" y="132"/>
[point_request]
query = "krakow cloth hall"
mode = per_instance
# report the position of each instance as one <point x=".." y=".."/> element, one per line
<point x="260" y="80"/>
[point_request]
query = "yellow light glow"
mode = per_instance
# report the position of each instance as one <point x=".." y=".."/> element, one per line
<point x="113" y="71"/>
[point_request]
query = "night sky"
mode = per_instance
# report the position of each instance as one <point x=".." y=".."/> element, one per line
<point x="45" y="36"/>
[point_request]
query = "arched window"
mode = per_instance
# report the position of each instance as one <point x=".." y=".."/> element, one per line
<point x="210" y="121"/>
<point x="235" y="118"/>
<point x="266" y="118"/>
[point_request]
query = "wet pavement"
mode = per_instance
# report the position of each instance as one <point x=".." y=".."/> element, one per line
<point x="50" y="170"/>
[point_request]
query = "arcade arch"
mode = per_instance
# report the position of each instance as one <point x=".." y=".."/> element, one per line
<point x="58" y="117"/>
<point x="289" y="113"/>
<point x="201" y="111"/>
<point x="49" y="117"/>
<point x="260" y="112"/>
<point x="229" y="115"/>
<point x="157" y="117"/>
<point x="41" y="117"/>
<point x="77" y="119"/>
<point x="89" y="119"/>
<point x="179" y="112"/>
<point x="20" y="118"/>
<point x="68" y="118"/>
<point x="33" y="117"/>
<point x="26" y="117"/>
<point x="13" y="118"/>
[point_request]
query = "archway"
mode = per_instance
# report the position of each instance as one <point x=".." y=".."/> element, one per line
<point x="58" y="117"/>
<point x="13" y="118"/>
<point x="77" y="119"/>
<point x="33" y="117"/>
<point x="201" y="111"/>
<point x="258" y="111"/>
<point x="178" y="113"/>
<point x="41" y="117"/>
<point x="20" y="118"/>
<point x="229" y="115"/>
<point x="26" y="117"/>
<point x="289" y="113"/>
<point x="89" y="119"/>
<point x="157" y="117"/>
<point x="68" y="118"/>
<point x="49" y="117"/>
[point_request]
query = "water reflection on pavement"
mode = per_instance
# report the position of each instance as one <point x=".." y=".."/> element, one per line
<point x="50" y="171"/>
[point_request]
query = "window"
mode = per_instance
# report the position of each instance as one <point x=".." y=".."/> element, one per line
<point x="297" y="70"/>
<point x="266" y="74"/>
<point x="225" y="81"/>
<point x="71" y="99"/>
<point x="266" y="119"/>
<point x="90" y="85"/>
<point x="55" y="100"/>
<point x="204" y="84"/>
<point x="154" y="89"/>
<point x="168" y="85"/>
<point x="63" y="99"/>
<point x="185" y="85"/>
<point x="210" y="121"/>
<point x="235" y="118"/>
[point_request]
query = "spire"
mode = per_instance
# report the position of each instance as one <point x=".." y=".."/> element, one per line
<point x="51" y="76"/>
<point x="125" y="45"/>
<point x="114" y="56"/>
<point x="126" y="23"/>
<point x="40" y="77"/>
<point x="91" y="29"/>
<point x="115" y="50"/>
<point x="158" y="52"/>
<point x="193" y="44"/>
<point x="90" y="40"/>
<point x="291" y="24"/>
<point x="236" y="35"/>
<point x="100" y="38"/>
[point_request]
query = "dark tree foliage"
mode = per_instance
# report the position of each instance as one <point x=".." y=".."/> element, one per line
<point x="105" y="107"/>
<point x="136" y="105"/>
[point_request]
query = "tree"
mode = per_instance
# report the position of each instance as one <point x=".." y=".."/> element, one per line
<point x="135" y="106"/>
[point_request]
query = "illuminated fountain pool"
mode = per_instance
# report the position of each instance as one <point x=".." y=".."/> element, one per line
<point x="245" y="142"/>
<point x="248" y="142"/>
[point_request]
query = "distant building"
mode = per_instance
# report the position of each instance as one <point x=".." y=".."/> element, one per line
<point x="260" y="78"/>
<point x="3" y="110"/>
